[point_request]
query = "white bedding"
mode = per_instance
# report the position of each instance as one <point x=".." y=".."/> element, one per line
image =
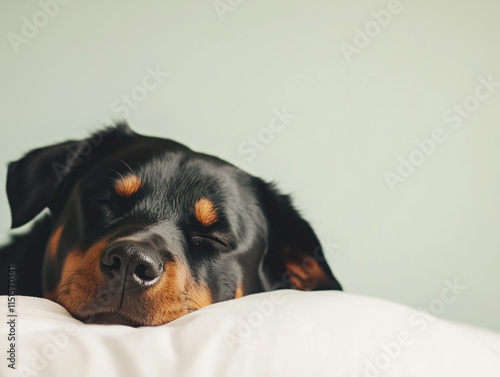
<point x="285" y="333"/>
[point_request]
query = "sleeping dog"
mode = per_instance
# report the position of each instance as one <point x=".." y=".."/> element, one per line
<point x="142" y="230"/>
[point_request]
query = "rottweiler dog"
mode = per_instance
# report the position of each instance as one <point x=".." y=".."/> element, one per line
<point x="138" y="230"/>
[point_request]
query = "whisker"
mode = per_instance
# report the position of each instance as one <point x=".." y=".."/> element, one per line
<point x="128" y="166"/>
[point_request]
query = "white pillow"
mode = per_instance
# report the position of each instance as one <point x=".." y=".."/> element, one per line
<point x="283" y="333"/>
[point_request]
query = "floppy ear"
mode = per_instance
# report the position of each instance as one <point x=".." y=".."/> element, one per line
<point x="294" y="258"/>
<point x="34" y="180"/>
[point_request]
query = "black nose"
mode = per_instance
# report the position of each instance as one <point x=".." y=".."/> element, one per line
<point x="138" y="264"/>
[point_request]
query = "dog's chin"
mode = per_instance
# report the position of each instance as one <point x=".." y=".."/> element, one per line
<point x="114" y="318"/>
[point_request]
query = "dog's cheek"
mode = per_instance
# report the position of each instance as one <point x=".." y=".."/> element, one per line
<point x="54" y="282"/>
<point x="79" y="279"/>
<point x="52" y="264"/>
<point x="175" y="295"/>
<point x="59" y="247"/>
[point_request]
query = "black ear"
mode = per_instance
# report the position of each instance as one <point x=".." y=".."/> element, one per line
<point x="294" y="258"/>
<point x="34" y="180"/>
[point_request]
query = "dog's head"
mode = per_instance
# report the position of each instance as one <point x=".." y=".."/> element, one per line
<point x="145" y="230"/>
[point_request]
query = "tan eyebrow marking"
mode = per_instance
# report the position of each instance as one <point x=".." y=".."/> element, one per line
<point x="205" y="212"/>
<point x="127" y="186"/>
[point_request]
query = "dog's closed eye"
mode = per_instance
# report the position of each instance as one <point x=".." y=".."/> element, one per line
<point x="214" y="241"/>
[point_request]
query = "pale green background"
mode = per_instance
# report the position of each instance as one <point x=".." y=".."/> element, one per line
<point x="352" y="121"/>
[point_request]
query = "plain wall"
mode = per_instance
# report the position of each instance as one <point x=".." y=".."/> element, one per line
<point x="230" y="68"/>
